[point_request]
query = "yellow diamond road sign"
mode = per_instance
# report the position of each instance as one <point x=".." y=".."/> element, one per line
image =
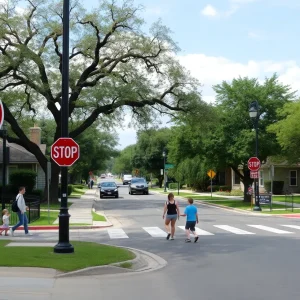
<point x="211" y="173"/>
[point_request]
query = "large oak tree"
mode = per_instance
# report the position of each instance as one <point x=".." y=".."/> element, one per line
<point x="115" y="68"/>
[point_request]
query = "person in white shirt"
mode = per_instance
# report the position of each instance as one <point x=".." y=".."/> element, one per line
<point x="21" y="212"/>
<point x="5" y="220"/>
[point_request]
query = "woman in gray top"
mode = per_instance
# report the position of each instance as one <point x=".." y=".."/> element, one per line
<point x="21" y="212"/>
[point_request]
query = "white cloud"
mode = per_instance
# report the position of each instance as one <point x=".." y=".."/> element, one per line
<point x="210" y="70"/>
<point x="209" y="10"/>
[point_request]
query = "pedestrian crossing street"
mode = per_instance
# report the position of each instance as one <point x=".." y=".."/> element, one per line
<point x="156" y="232"/>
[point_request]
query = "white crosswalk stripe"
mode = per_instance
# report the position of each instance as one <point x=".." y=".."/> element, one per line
<point x="117" y="233"/>
<point x="198" y="231"/>
<point x="292" y="226"/>
<point x="270" y="229"/>
<point x="233" y="229"/>
<point x="155" y="231"/>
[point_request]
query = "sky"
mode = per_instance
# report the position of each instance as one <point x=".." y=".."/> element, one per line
<point x="224" y="39"/>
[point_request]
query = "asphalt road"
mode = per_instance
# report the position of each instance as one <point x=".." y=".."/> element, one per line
<point x="250" y="264"/>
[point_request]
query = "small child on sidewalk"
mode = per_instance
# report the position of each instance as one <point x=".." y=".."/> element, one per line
<point x="191" y="214"/>
<point x="5" y="220"/>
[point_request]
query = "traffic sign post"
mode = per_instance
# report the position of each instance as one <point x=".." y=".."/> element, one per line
<point x="211" y="174"/>
<point x="254" y="166"/>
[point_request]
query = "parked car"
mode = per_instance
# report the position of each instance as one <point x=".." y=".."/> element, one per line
<point x="138" y="185"/>
<point x="103" y="176"/>
<point x="126" y="179"/>
<point x="109" y="189"/>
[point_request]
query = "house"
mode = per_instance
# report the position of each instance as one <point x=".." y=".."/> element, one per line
<point x="280" y="171"/>
<point x="20" y="158"/>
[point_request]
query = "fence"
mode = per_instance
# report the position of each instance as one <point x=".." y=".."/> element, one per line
<point x="33" y="212"/>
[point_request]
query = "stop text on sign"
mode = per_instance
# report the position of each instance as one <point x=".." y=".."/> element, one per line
<point x="65" y="151"/>
<point x="254" y="164"/>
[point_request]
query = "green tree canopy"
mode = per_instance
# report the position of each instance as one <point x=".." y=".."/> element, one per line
<point x="287" y="130"/>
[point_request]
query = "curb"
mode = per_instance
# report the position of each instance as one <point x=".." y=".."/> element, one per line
<point x="56" y="227"/>
<point x="153" y="262"/>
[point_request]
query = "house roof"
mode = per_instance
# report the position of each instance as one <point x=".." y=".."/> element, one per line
<point x="19" y="154"/>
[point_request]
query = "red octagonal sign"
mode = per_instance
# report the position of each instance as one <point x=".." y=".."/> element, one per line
<point x="65" y="151"/>
<point x="253" y="164"/>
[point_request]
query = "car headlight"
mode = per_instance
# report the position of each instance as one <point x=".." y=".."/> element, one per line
<point x="101" y="190"/>
<point x="116" y="190"/>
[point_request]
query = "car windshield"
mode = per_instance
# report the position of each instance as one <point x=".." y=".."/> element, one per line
<point x="108" y="184"/>
<point x="138" y="180"/>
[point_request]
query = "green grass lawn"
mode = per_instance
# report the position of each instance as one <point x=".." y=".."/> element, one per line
<point x="241" y="204"/>
<point x="85" y="255"/>
<point x="282" y="211"/>
<point x="43" y="220"/>
<point x="97" y="217"/>
<point x="288" y="199"/>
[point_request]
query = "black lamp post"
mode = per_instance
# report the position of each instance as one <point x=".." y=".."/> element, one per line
<point x="164" y="155"/>
<point x="63" y="245"/>
<point x="4" y="157"/>
<point x="254" y="115"/>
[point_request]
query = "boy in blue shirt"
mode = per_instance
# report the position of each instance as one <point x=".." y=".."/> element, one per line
<point x="191" y="214"/>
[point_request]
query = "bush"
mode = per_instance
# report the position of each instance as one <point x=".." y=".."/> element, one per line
<point x="70" y="189"/>
<point x="236" y="193"/>
<point x="225" y="188"/>
<point x="277" y="187"/>
<point x="173" y="186"/>
<point x="214" y="188"/>
<point x="38" y="193"/>
<point x="79" y="186"/>
<point x="25" y="178"/>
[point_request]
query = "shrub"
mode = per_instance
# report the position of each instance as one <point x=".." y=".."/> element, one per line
<point x="214" y="188"/>
<point x="25" y="178"/>
<point x="267" y="185"/>
<point x="225" y="188"/>
<point x="173" y="186"/>
<point x="38" y="193"/>
<point x="236" y="193"/>
<point x="70" y="190"/>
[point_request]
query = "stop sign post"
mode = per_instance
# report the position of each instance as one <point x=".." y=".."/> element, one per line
<point x="65" y="151"/>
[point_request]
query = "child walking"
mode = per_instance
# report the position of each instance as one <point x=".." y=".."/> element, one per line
<point x="191" y="214"/>
<point x="5" y="220"/>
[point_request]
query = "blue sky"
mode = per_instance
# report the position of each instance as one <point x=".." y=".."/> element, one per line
<point x="223" y="39"/>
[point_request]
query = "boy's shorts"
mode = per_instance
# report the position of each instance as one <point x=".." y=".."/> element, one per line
<point x="190" y="225"/>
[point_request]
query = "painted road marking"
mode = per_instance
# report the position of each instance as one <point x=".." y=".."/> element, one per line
<point x="198" y="231"/>
<point x="270" y="229"/>
<point x="292" y="226"/>
<point x="233" y="229"/>
<point x="155" y="231"/>
<point x="117" y="233"/>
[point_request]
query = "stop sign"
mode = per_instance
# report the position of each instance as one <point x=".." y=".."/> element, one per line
<point x="65" y="151"/>
<point x="253" y="164"/>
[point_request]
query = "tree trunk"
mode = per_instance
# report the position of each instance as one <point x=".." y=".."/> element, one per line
<point x="247" y="181"/>
<point x="160" y="180"/>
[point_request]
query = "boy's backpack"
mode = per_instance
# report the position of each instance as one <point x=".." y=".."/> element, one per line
<point x="14" y="206"/>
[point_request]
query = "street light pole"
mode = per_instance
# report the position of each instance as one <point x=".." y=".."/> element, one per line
<point x="164" y="155"/>
<point x="4" y="157"/>
<point x="254" y="115"/>
<point x="63" y="245"/>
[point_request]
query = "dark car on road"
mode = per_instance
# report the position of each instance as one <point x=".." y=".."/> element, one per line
<point x="138" y="185"/>
<point x="109" y="189"/>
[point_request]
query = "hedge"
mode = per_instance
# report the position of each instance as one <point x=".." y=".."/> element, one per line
<point x="277" y="187"/>
<point x="25" y="178"/>
<point x="70" y="189"/>
<point x="173" y="186"/>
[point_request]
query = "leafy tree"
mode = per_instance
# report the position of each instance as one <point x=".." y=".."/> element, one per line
<point x="115" y="69"/>
<point x="123" y="162"/>
<point x="232" y="142"/>
<point x="149" y="151"/>
<point x="287" y="130"/>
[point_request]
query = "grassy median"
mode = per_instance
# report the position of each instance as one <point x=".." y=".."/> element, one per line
<point x="85" y="255"/>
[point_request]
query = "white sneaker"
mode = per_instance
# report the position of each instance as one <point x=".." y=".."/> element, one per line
<point x="29" y="233"/>
<point x="11" y="231"/>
